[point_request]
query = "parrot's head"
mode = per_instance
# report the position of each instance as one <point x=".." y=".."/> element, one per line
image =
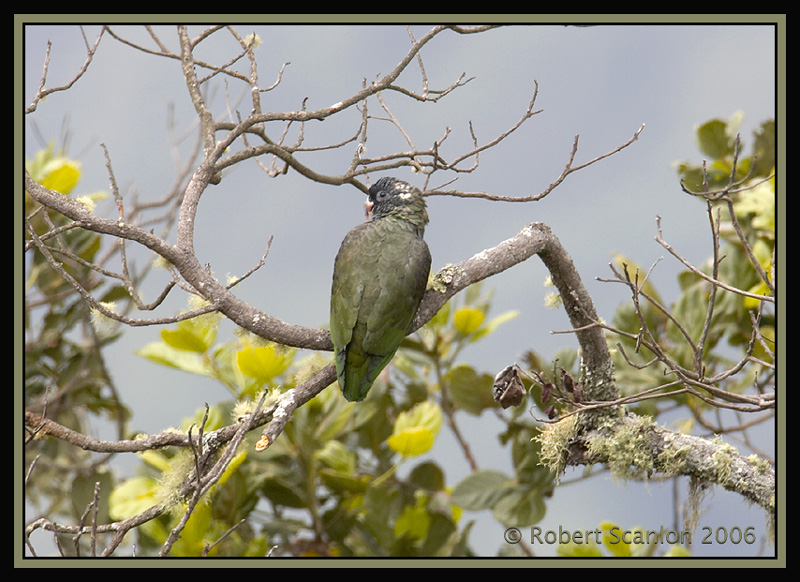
<point x="392" y="196"/>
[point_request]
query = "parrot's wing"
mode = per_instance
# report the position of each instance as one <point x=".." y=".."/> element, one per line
<point x="401" y="281"/>
<point x="348" y="287"/>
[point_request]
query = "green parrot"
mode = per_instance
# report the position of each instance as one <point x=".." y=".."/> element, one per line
<point x="379" y="278"/>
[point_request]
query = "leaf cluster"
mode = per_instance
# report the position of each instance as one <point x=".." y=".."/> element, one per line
<point x="744" y="217"/>
<point x="65" y="373"/>
<point x="344" y="479"/>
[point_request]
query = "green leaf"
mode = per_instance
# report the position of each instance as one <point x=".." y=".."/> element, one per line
<point x="470" y="391"/>
<point x="378" y="505"/>
<point x="200" y="529"/>
<point x="341" y="482"/>
<point x="714" y="140"/>
<point x="481" y="490"/>
<point x="83" y="491"/>
<point x="428" y="476"/>
<point x="764" y="149"/>
<point x="237" y="460"/>
<point x="336" y="416"/>
<point x="337" y="456"/>
<point x="442" y="534"/>
<point x="520" y="506"/>
<point x="527" y="467"/>
<point x="281" y="489"/>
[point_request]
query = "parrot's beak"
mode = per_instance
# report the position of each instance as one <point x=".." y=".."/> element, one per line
<point x="368" y="208"/>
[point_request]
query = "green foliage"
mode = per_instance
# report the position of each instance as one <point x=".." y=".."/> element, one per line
<point x="344" y="479"/>
<point x="244" y="365"/>
<point x="64" y="370"/>
<point x="730" y="327"/>
<point x="716" y="139"/>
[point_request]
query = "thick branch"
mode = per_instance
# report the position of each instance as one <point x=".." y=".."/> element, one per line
<point x="637" y="447"/>
<point x="536" y="238"/>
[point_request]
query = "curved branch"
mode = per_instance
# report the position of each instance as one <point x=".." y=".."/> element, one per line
<point x="535" y="238"/>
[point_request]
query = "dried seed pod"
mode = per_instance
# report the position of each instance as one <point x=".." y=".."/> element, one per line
<point x="508" y="388"/>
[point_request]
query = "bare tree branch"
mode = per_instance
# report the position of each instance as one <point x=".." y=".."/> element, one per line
<point x="568" y="169"/>
<point x="44" y="91"/>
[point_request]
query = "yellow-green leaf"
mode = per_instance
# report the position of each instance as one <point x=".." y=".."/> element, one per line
<point x="192" y="335"/>
<point x="759" y="202"/>
<point x="414" y="523"/>
<point x="496" y="322"/>
<point x="156" y="459"/>
<point x="758" y="289"/>
<point x="678" y="552"/>
<point x="612" y="541"/>
<point x="415" y="430"/>
<point x="54" y="170"/>
<point x="263" y="362"/>
<point x="63" y="176"/>
<point x="468" y="319"/>
<point x="199" y="530"/>
<point x="637" y="275"/>
<point x="412" y="441"/>
<point x="161" y="353"/>
<point x="230" y="469"/>
<point x="132" y="497"/>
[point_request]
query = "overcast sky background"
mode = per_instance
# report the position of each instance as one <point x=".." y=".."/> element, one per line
<point x="600" y="82"/>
